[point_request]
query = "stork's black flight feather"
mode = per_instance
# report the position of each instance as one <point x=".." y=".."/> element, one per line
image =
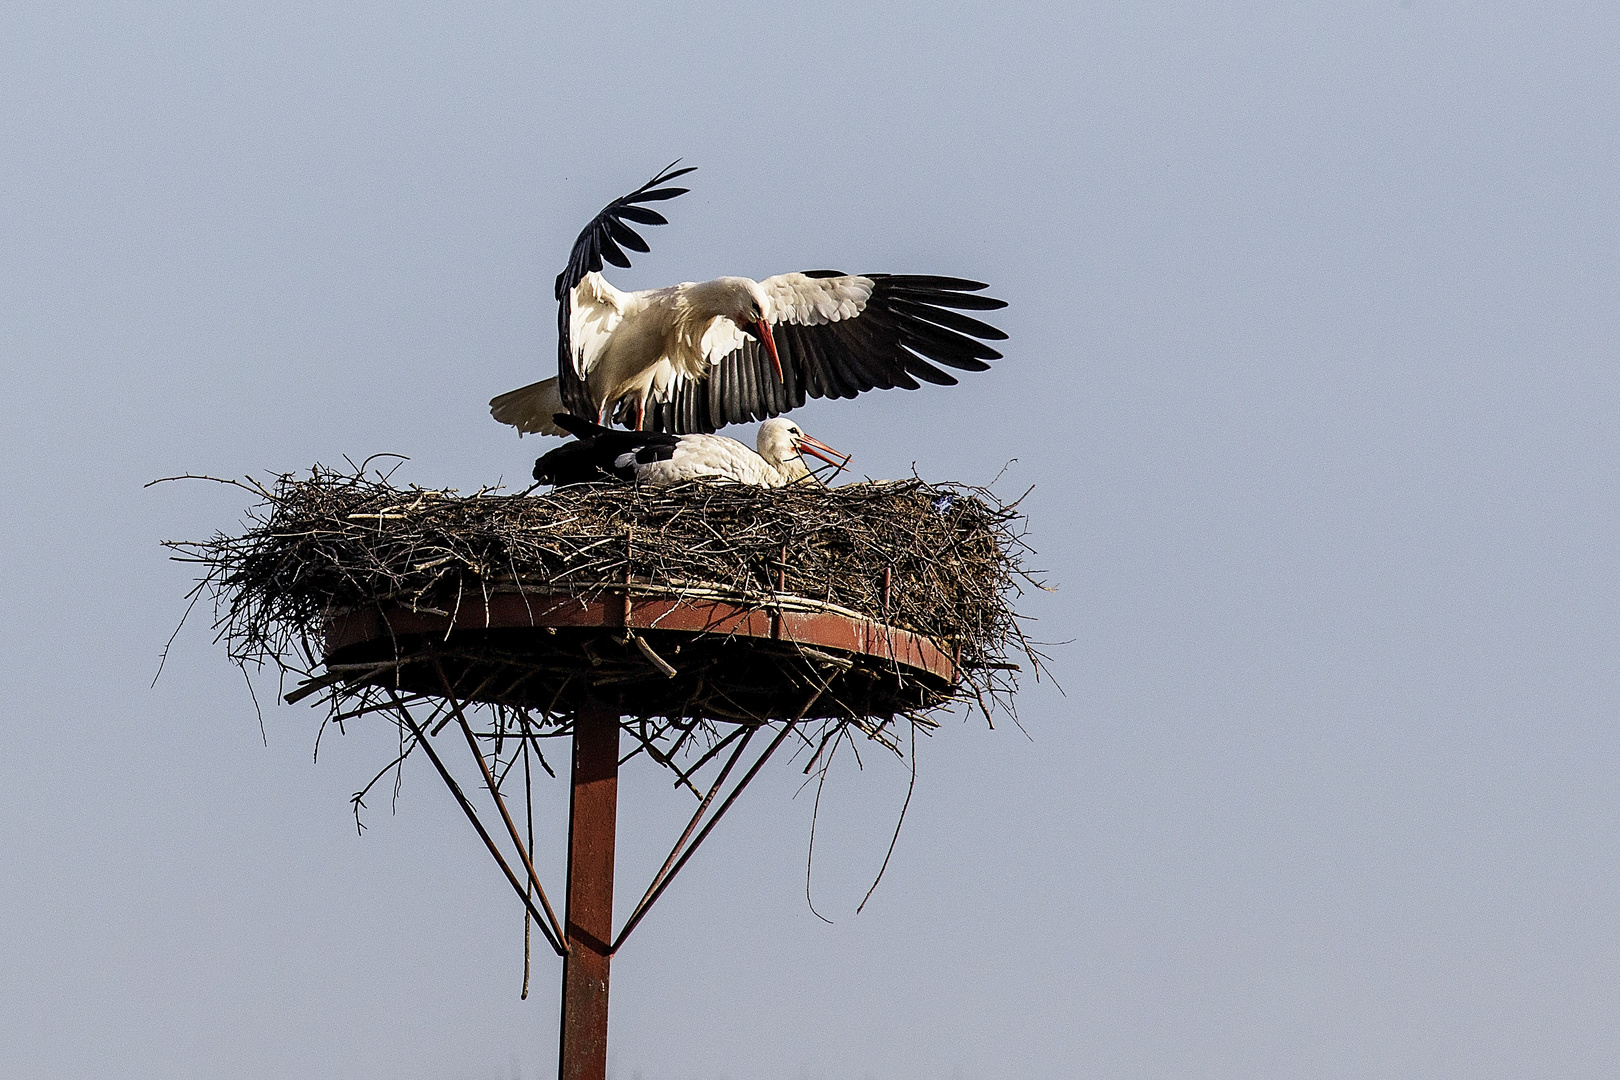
<point x="910" y="324"/>
<point x="605" y="239"/>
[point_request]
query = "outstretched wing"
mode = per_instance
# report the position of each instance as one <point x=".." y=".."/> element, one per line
<point x="838" y="335"/>
<point x="604" y="239"/>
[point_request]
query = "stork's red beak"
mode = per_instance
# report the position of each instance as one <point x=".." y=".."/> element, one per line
<point x="818" y="449"/>
<point x="762" y="330"/>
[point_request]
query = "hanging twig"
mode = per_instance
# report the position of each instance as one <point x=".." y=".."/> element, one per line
<point x="528" y="805"/>
<point x="912" y="786"/>
<point x="815" y="816"/>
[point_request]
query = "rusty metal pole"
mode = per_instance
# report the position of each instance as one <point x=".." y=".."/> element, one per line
<point x="588" y="917"/>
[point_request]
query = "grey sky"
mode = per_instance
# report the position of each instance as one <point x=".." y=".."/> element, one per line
<point x="1313" y="363"/>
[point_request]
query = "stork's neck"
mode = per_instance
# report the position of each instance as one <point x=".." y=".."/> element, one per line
<point x="698" y="303"/>
<point x="723" y="296"/>
<point x="780" y="453"/>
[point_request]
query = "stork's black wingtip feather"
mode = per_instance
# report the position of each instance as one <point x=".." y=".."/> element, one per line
<point x="641" y="215"/>
<point x="654" y="195"/>
<point x="667" y="173"/>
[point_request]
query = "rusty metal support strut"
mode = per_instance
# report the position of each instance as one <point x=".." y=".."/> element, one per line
<point x="524" y="856"/>
<point x="674" y="853"/>
<point x="667" y="875"/>
<point x="472" y="816"/>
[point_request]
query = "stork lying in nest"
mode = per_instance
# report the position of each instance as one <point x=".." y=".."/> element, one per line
<point x="655" y="457"/>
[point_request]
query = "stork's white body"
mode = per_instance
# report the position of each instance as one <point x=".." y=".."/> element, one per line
<point x="776" y="464"/>
<point x="642" y="345"/>
<point x="630" y="344"/>
<point x="639" y="344"/>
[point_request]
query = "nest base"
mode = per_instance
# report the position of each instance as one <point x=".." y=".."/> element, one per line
<point x="646" y="657"/>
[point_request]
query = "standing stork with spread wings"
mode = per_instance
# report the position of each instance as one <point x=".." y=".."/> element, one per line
<point x="697" y="356"/>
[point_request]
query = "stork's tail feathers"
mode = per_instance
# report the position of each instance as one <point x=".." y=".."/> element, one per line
<point x="598" y="453"/>
<point x="577" y="426"/>
<point x="530" y="408"/>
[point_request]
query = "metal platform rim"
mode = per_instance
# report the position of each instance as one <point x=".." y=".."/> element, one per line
<point x="616" y="611"/>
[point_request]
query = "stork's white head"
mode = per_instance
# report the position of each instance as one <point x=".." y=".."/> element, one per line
<point x="781" y="442"/>
<point x="778" y="441"/>
<point x="742" y="301"/>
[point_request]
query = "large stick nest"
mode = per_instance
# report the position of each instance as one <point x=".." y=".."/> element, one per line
<point x="941" y="561"/>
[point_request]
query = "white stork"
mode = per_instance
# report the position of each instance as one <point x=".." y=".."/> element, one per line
<point x="696" y="356"/>
<point x="655" y="457"/>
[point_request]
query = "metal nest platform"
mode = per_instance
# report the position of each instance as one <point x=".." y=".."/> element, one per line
<point x="681" y="660"/>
